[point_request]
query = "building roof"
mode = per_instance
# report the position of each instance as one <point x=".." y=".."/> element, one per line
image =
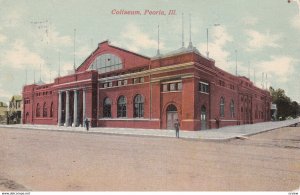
<point x="107" y="42"/>
<point x="16" y="97"/>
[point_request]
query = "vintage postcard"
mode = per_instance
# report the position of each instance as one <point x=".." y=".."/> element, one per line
<point x="143" y="95"/>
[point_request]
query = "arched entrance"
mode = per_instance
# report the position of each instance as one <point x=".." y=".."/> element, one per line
<point x="27" y="120"/>
<point x="203" y="117"/>
<point x="172" y="115"/>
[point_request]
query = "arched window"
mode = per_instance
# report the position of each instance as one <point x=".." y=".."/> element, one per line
<point x="121" y="112"/>
<point x="51" y="110"/>
<point x="106" y="63"/>
<point x="107" y="108"/>
<point x="38" y="110"/>
<point x="232" y="109"/>
<point x="138" y="106"/>
<point x="171" y="108"/>
<point x="222" y="106"/>
<point x="45" y="110"/>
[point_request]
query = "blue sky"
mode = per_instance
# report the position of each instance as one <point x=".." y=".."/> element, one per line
<point x="265" y="34"/>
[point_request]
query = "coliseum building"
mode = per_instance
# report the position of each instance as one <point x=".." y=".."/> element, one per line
<point x="114" y="87"/>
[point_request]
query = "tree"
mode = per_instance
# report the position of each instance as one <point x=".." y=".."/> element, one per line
<point x="285" y="107"/>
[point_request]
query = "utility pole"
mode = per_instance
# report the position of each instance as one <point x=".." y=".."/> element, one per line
<point x="74" y="49"/>
<point x="182" y="30"/>
<point x="58" y="64"/>
<point x="207" y="53"/>
<point x="236" y="70"/>
<point x="158" y="53"/>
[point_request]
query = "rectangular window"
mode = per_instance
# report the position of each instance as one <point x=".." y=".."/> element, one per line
<point x="119" y="83"/>
<point x="125" y="82"/>
<point x="110" y="84"/>
<point x="179" y="86"/>
<point x="204" y="87"/>
<point x="135" y="80"/>
<point x="172" y="86"/>
<point x="142" y="79"/>
<point x="165" y="87"/>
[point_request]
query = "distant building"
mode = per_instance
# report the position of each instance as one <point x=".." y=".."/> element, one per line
<point x="15" y="110"/>
<point x="115" y="87"/>
<point x="3" y="113"/>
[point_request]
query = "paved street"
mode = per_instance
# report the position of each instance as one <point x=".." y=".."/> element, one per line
<point x="223" y="133"/>
<point x="51" y="160"/>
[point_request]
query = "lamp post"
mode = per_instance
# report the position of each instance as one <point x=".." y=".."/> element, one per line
<point x="207" y="52"/>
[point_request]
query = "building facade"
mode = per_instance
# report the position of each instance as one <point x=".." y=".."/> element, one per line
<point x="3" y="113"/>
<point x="15" y="110"/>
<point x="114" y="87"/>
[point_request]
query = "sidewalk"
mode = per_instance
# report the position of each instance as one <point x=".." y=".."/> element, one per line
<point x="223" y="133"/>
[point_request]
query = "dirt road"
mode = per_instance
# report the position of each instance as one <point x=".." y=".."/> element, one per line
<point x="57" y="161"/>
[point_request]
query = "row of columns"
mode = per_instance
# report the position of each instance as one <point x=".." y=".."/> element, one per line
<point x="67" y="113"/>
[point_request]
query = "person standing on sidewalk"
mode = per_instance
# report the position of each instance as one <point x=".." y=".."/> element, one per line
<point x="177" y="125"/>
<point x="86" y="122"/>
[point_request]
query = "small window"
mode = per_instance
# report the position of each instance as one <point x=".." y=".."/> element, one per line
<point x="119" y="83"/>
<point x="165" y="87"/>
<point x="179" y="86"/>
<point x="172" y="86"/>
<point x="204" y="87"/>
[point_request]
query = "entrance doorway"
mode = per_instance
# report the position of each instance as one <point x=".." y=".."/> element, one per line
<point x="203" y="118"/>
<point x="172" y="115"/>
<point x="27" y="120"/>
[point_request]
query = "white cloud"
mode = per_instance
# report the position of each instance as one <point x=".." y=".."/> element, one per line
<point x="83" y="52"/>
<point x="279" y="67"/>
<point x="19" y="57"/>
<point x="4" y="95"/>
<point x="295" y="22"/>
<point x="3" y="38"/>
<point x="250" y="20"/>
<point x="135" y="39"/>
<point x="217" y="49"/>
<point x="66" y="68"/>
<point x="51" y="35"/>
<point x="13" y="18"/>
<point x="257" y="40"/>
<point x="56" y="39"/>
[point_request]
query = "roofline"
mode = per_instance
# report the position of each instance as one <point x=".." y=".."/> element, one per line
<point x="87" y="58"/>
<point x="113" y="47"/>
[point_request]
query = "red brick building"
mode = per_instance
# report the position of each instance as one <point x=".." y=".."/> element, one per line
<point x="114" y="87"/>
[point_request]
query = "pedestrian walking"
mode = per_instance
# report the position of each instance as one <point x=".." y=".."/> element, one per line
<point x="86" y="122"/>
<point x="177" y="125"/>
